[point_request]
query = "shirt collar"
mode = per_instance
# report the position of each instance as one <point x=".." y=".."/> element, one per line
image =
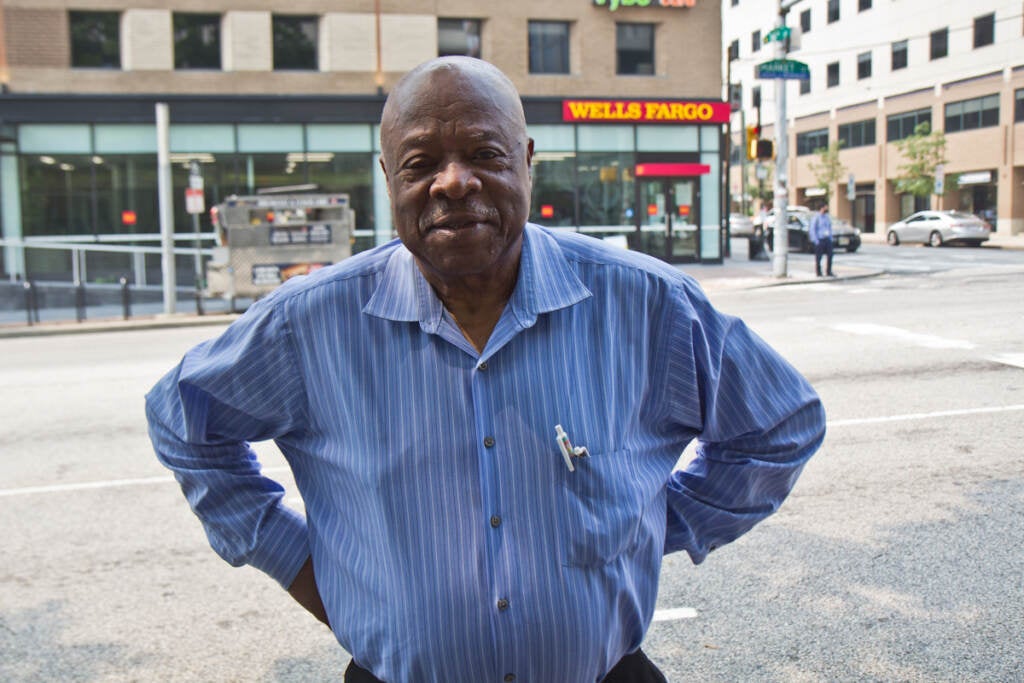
<point x="546" y="282"/>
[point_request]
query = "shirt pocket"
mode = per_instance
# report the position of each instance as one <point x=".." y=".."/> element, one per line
<point x="602" y="509"/>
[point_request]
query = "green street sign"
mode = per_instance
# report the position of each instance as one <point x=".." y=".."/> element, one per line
<point x="777" y="34"/>
<point x="784" y="68"/>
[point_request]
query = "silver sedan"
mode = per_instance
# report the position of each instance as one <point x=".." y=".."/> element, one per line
<point x="937" y="228"/>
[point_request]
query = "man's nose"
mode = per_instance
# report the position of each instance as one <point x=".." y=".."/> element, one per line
<point x="455" y="180"/>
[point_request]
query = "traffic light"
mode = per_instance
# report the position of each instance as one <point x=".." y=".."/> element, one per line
<point x="753" y="133"/>
<point x="765" y="149"/>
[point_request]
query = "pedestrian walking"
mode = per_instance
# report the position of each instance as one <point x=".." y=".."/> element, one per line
<point x="820" y="233"/>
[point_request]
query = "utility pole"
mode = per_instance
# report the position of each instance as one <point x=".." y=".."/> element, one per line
<point x="780" y="249"/>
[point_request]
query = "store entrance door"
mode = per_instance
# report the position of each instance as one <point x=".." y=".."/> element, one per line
<point x="666" y="218"/>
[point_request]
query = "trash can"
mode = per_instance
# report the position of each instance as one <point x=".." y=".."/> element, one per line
<point x="755" y="247"/>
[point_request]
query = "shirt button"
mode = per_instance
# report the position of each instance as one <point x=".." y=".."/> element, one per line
<point x="495" y="521"/>
<point x="489" y="442"/>
<point x="510" y="677"/>
<point x="502" y="605"/>
<point x="482" y="366"/>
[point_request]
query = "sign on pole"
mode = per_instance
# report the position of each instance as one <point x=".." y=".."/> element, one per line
<point x="851" y="188"/>
<point x="789" y="69"/>
<point x="940" y="179"/>
<point x="194" y="200"/>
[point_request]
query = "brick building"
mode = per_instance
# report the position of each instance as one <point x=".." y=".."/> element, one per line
<point x="624" y="103"/>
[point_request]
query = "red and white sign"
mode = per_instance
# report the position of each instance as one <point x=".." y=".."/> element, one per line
<point x="195" y="202"/>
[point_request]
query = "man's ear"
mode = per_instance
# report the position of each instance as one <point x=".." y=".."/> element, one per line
<point x="387" y="178"/>
<point x="529" y="156"/>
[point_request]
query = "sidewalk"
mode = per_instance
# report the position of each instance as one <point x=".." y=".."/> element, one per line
<point x="737" y="272"/>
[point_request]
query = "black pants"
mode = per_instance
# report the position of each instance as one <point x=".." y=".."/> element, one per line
<point x="633" y="668"/>
<point x="823" y="247"/>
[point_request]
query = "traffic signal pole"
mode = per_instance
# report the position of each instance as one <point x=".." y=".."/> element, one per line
<point x="780" y="247"/>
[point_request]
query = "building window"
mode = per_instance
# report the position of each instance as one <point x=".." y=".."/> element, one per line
<point x="755" y="97"/>
<point x="811" y="141"/>
<point x="805" y="86"/>
<point x="458" y="37"/>
<point x="857" y="134"/>
<point x="984" y="30"/>
<point x="805" y="21"/>
<point x="863" y="65"/>
<point x="755" y="41"/>
<point x="833" y="11"/>
<point x="634" y="48"/>
<point x="549" y="47"/>
<point x="899" y="55"/>
<point x="1018" y="105"/>
<point x="899" y="126"/>
<point x="734" y="50"/>
<point x="940" y="43"/>
<point x="863" y="5"/>
<point x="95" y="39"/>
<point x="832" y="77"/>
<point x="196" y="41"/>
<point x="980" y="112"/>
<point x="734" y="2"/>
<point x="295" y="42"/>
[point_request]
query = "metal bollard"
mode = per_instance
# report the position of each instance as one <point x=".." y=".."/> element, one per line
<point x="31" y="302"/>
<point x="79" y="302"/>
<point x="126" y="298"/>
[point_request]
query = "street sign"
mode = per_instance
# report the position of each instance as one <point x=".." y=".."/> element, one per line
<point x="851" y="188"/>
<point x="194" y="201"/>
<point x="777" y="34"/>
<point x="940" y="179"/>
<point x="789" y="69"/>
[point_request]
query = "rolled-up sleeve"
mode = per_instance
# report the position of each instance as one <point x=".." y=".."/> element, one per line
<point x="242" y="387"/>
<point x="757" y="420"/>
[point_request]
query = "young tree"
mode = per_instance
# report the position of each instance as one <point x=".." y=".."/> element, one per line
<point x="922" y="151"/>
<point x="828" y="170"/>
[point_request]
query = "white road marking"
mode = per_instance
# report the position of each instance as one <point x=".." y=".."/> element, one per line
<point x="114" y="483"/>
<point x="923" y="416"/>
<point x="674" y="614"/>
<point x="913" y="338"/>
<point x="1014" y="359"/>
<point x="106" y="484"/>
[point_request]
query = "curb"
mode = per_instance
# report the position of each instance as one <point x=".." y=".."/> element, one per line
<point x="11" y="331"/>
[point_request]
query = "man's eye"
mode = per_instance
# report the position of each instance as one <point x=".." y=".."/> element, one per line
<point x="488" y="154"/>
<point x="416" y="163"/>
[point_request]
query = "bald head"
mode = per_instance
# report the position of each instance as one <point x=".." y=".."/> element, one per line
<point x="442" y="83"/>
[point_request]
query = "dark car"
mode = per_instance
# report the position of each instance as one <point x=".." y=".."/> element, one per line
<point x="844" y="235"/>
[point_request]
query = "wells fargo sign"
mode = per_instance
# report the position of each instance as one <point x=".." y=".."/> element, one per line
<point x="645" y="111"/>
<point x="613" y="5"/>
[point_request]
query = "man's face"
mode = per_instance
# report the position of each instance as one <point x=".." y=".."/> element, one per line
<point x="457" y="162"/>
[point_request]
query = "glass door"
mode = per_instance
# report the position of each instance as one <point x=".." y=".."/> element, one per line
<point x="666" y="218"/>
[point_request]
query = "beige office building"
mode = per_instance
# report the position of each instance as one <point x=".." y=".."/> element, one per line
<point x="878" y="69"/>
<point x="624" y="100"/>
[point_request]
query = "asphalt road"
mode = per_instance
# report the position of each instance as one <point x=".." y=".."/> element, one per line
<point x="897" y="558"/>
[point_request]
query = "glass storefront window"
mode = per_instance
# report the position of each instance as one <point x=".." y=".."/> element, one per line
<point x="351" y="173"/>
<point x="606" y="189"/>
<point x="667" y="139"/>
<point x="553" y="202"/>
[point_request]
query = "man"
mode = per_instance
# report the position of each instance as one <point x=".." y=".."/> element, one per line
<point x="820" y="234"/>
<point x="415" y="390"/>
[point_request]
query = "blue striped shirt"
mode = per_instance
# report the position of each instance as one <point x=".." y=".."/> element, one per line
<point x="450" y="541"/>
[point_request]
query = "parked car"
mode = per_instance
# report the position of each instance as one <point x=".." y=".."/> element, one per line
<point x="741" y="225"/>
<point x="936" y="228"/>
<point x="844" y="235"/>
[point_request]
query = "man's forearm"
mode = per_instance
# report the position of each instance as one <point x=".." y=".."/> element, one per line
<point x="305" y="592"/>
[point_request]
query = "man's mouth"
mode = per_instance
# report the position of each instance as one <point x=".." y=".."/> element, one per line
<point x="455" y="222"/>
